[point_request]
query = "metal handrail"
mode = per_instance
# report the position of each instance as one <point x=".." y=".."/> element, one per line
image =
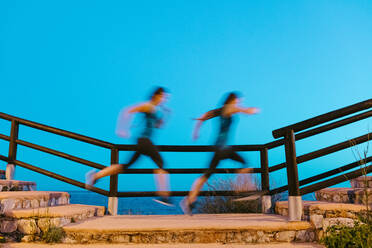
<point x="320" y="119"/>
<point x="325" y="151"/>
<point x="287" y="132"/>
<point x="57" y="131"/>
<point x="115" y="148"/>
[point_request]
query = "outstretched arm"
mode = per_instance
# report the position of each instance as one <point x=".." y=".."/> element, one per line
<point x="208" y="115"/>
<point x="237" y="109"/>
<point x="250" y="111"/>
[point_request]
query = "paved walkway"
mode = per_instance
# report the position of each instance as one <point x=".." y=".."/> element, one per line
<point x="282" y="245"/>
<point x="263" y="222"/>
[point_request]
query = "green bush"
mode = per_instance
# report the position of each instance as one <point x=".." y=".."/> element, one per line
<point x="53" y="235"/>
<point x="359" y="236"/>
<point x="2" y="239"/>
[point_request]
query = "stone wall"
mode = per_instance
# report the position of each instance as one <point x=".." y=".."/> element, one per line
<point x="29" y="227"/>
<point x="28" y="203"/>
<point x="345" y="195"/>
<point x="15" y="185"/>
<point x="361" y="182"/>
<point x="192" y="236"/>
<point x="323" y="214"/>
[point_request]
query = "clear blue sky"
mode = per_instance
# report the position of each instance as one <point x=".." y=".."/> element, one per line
<point x="75" y="64"/>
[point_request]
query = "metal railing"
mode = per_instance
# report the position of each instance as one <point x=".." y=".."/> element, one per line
<point x="14" y="142"/>
<point x="288" y="136"/>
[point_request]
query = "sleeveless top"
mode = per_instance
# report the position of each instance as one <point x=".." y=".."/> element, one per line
<point x="223" y="134"/>
<point x="150" y="121"/>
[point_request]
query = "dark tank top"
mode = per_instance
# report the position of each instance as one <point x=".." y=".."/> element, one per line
<point x="150" y="121"/>
<point x="223" y="134"/>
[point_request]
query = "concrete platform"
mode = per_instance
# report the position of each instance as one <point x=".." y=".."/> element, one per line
<point x="201" y="228"/>
<point x="182" y="222"/>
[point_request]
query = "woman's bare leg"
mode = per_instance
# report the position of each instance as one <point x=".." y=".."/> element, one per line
<point x="108" y="171"/>
<point x="162" y="182"/>
<point x="92" y="177"/>
<point x="195" y="189"/>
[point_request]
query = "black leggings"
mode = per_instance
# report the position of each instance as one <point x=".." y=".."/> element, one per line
<point x="145" y="147"/>
<point x="222" y="154"/>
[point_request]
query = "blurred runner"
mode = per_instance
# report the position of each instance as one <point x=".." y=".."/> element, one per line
<point x="222" y="150"/>
<point x="151" y="120"/>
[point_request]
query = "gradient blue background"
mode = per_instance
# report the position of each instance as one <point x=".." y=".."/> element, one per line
<point x="75" y="64"/>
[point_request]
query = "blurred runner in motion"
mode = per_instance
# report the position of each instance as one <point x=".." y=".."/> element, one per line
<point x="151" y="120"/>
<point x="222" y="150"/>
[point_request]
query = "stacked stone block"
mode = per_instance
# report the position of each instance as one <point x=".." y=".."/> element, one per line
<point x="324" y="214"/>
<point x="360" y="193"/>
<point x="25" y="215"/>
<point x="15" y="185"/>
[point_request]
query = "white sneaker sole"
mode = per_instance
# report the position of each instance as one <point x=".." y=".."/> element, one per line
<point x="251" y="197"/>
<point x="163" y="203"/>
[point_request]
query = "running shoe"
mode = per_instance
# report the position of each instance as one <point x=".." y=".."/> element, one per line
<point x="164" y="201"/>
<point x="89" y="181"/>
<point x="186" y="207"/>
<point x="252" y="197"/>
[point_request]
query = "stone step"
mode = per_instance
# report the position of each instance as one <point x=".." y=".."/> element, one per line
<point x="36" y="220"/>
<point x="15" y="185"/>
<point x="328" y="209"/>
<point x="361" y="182"/>
<point x="31" y="199"/>
<point x="324" y="214"/>
<point x="70" y="210"/>
<point x="199" y="228"/>
<point x="345" y="195"/>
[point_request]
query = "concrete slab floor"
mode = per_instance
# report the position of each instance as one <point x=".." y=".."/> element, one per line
<point x="180" y="222"/>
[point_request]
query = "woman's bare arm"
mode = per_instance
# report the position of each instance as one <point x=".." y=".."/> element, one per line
<point x="206" y="116"/>
<point x="125" y="118"/>
<point x="237" y="109"/>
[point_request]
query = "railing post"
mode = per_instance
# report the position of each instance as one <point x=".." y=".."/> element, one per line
<point x="294" y="198"/>
<point x="12" y="155"/>
<point x="113" y="199"/>
<point x="265" y="184"/>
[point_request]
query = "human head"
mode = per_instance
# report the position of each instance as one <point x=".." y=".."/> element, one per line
<point x="232" y="98"/>
<point x="158" y="95"/>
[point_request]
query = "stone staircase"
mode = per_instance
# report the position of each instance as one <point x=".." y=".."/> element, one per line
<point x="359" y="193"/>
<point x="25" y="214"/>
<point x="335" y="205"/>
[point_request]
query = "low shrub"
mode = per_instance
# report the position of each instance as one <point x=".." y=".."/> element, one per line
<point x="358" y="236"/>
<point x="53" y="235"/>
<point x="225" y="204"/>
